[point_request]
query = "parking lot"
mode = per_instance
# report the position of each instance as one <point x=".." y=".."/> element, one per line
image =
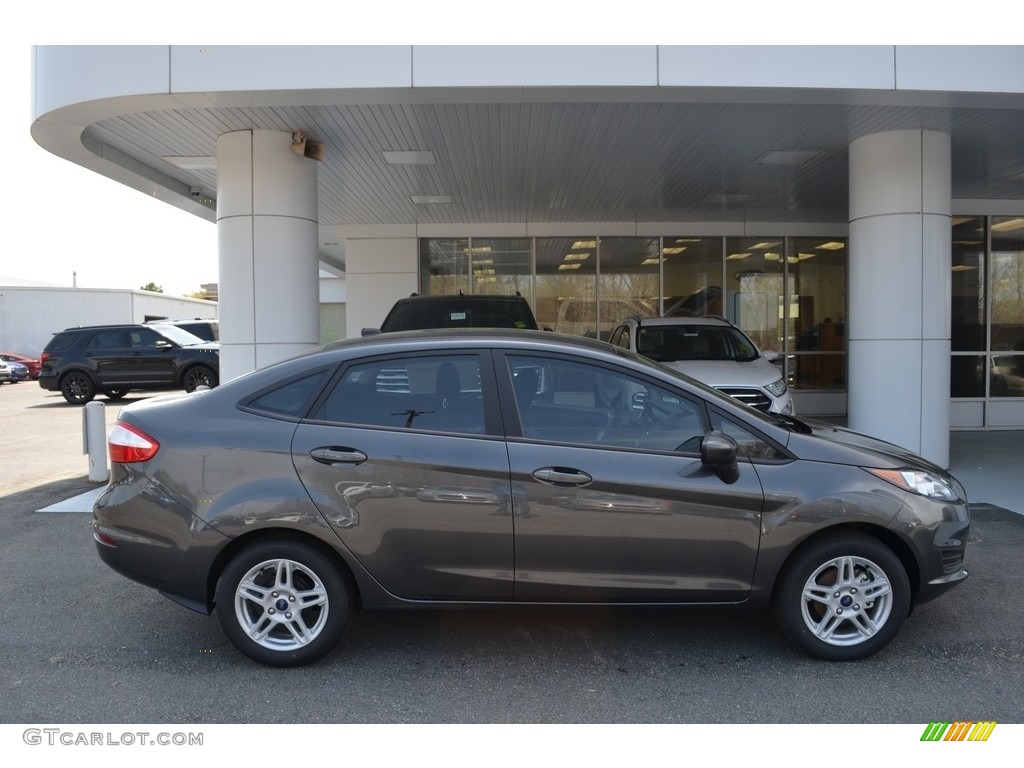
<point x="84" y="645"/>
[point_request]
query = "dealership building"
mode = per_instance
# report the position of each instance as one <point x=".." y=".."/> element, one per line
<point x="858" y="209"/>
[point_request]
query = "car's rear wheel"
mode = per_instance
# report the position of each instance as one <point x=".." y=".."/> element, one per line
<point x="115" y="394"/>
<point x="844" y="596"/>
<point x="77" y="388"/>
<point x="283" y="602"/>
<point x="199" y="376"/>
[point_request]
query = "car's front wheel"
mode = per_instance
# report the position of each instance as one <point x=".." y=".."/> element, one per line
<point x="77" y="388"/>
<point x="844" y="596"/>
<point x="283" y="602"/>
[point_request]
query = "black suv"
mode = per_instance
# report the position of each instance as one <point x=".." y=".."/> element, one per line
<point x="417" y="312"/>
<point x="112" y="359"/>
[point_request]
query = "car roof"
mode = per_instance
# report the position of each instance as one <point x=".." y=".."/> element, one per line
<point x="479" y="336"/>
<point x="701" y="320"/>
<point x="447" y="297"/>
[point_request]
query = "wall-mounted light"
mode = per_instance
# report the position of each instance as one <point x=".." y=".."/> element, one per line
<point x="311" y="148"/>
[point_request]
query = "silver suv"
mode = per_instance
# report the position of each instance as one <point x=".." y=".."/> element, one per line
<point x="713" y="351"/>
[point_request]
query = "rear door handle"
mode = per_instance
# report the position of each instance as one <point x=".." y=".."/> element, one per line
<point x="334" y="456"/>
<point x="562" y="476"/>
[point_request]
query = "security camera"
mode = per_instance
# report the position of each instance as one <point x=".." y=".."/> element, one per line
<point x="195" y="191"/>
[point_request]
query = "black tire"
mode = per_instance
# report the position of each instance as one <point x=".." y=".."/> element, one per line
<point x="115" y="394"/>
<point x="279" y="574"/>
<point x="199" y="375"/>
<point x="77" y="387"/>
<point x="842" y="596"/>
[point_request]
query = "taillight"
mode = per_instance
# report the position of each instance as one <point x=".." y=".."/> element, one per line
<point x="129" y="444"/>
<point x="44" y="357"/>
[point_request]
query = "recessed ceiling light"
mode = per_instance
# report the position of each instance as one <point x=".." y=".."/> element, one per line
<point x="764" y="246"/>
<point x="787" y="157"/>
<point x="1010" y="225"/>
<point x="832" y="245"/>
<point x="672" y="251"/>
<point x="430" y="199"/>
<point x="736" y="256"/>
<point x="577" y="265"/>
<point x="584" y="244"/>
<point x="192" y="162"/>
<point x="409" y="157"/>
<point x="963" y="268"/>
<point x="576" y="257"/>
<point x="653" y="260"/>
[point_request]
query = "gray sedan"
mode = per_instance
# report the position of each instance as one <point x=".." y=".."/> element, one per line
<point x="514" y="467"/>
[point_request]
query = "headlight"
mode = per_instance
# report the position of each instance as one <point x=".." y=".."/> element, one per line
<point x="777" y="387"/>
<point x="921" y="482"/>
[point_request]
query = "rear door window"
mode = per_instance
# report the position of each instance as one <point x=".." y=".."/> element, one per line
<point x="438" y="393"/>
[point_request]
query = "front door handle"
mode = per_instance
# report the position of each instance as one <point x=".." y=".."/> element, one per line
<point x="334" y="456"/>
<point x="562" y="476"/>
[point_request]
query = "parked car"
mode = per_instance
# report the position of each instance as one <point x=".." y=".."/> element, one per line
<point x="5" y="371"/>
<point x="417" y="312"/>
<point x="18" y="372"/>
<point x="711" y="350"/>
<point x="114" y="359"/>
<point x="29" y="362"/>
<point x="205" y="328"/>
<point x="518" y="468"/>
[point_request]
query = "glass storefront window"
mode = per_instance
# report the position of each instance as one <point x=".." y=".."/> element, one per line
<point x="567" y="284"/>
<point x="787" y="294"/>
<point x="692" y="269"/>
<point x="444" y="266"/>
<point x="1006" y="374"/>
<point x="630" y="275"/>
<point x="476" y="265"/>
<point x="754" y="290"/>
<point x="816" y="309"/>
<point x="501" y="266"/>
<point x="967" y="328"/>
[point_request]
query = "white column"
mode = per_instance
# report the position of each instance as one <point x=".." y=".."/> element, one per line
<point x="899" y="290"/>
<point x="267" y="243"/>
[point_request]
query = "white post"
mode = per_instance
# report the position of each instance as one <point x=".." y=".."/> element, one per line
<point x="94" y="427"/>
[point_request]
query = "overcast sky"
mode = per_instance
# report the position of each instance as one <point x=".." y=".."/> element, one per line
<point x="62" y="219"/>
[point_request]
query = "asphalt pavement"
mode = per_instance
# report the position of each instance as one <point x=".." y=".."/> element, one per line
<point x="81" y="644"/>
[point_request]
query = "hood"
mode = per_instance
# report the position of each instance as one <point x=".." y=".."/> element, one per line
<point x="728" y="373"/>
<point x="861" y="450"/>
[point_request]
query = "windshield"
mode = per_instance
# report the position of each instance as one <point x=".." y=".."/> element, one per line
<point x="670" y="343"/>
<point x="178" y="336"/>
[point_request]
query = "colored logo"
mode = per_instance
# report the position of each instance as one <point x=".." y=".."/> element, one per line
<point x="958" y="731"/>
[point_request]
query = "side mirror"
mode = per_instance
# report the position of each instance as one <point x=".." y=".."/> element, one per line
<point x="718" y="452"/>
<point x="370" y="331"/>
<point x="770" y="356"/>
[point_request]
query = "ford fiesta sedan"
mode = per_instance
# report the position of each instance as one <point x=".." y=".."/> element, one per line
<point x="454" y="468"/>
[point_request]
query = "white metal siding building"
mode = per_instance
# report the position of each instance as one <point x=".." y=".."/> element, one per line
<point x="29" y="316"/>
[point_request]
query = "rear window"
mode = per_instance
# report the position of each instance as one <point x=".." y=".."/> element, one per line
<point x="498" y="313"/>
<point x="60" y="341"/>
<point x="291" y="399"/>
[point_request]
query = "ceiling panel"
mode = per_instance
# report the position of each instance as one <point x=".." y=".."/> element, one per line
<point x="583" y="161"/>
